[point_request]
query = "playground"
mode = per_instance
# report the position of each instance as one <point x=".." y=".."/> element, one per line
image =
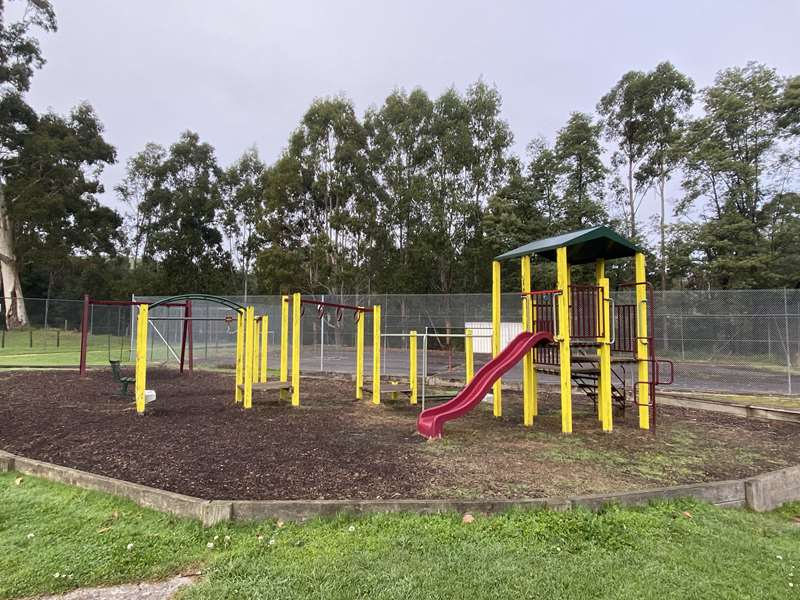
<point x="194" y="440"/>
<point x="558" y="396"/>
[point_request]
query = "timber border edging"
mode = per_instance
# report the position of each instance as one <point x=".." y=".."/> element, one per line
<point x="760" y="493"/>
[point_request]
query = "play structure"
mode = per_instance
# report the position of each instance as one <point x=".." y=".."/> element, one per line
<point x="298" y="304"/>
<point x="574" y="331"/>
<point x="252" y="345"/>
<point x="186" y="332"/>
<point x="593" y="341"/>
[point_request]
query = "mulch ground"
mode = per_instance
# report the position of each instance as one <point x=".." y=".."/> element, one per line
<point x="195" y="441"/>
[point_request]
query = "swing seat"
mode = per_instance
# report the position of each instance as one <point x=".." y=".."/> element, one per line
<point x="124" y="382"/>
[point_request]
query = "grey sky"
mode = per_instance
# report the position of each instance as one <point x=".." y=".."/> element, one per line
<point x="243" y="72"/>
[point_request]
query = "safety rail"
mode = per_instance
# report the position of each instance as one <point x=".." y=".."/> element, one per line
<point x="624" y="328"/>
<point x="586" y="312"/>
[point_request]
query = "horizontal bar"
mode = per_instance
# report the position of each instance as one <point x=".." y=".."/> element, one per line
<point x="540" y="292"/>
<point x="130" y="303"/>
<point x="222" y="319"/>
<point x="335" y="305"/>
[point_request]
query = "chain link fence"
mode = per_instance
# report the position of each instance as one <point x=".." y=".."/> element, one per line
<point x="730" y="341"/>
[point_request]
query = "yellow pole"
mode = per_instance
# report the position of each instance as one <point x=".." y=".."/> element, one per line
<point x="604" y="351"/>
<point x="256" y="349"/>
<point x="565" y="366"/>
<point x="469" y="355"/>
<point x="599" y="273"/>
<point x="284" y="367"/>
<point x="527" y="362"/>
<point x="239" y="356"/>
<point x="250" y="351"/>
<point x="296" y="350"/>
<point x="641" y="343"/>
<point x="376" y="354"/>
<point x="262" y="371"/>
<point x="496" y="299"/>
<point x="412" y="365"/>
<point x="141" y="357"/>
<point x="360" y="356"/>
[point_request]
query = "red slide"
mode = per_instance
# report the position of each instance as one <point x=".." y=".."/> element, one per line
<point x="431" y="421"/>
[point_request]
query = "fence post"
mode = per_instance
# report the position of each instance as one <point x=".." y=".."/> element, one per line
<point x="84" y="336"/>
<point x="788" y="347"/>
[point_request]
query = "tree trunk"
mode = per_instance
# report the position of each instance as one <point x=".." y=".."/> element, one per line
<point x="11" y="289"/>
<point x="631" y="199"/>
<point x="663" y="234"/>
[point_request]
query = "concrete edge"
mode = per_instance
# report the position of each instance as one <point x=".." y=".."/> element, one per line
<point x="748" y="411"/>
<point x="760" y="493"/>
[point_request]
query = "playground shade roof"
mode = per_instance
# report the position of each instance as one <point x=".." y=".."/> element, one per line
<point x="583" y="246"/>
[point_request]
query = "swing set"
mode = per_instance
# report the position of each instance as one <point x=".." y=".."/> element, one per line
<point x="186" y="334"/>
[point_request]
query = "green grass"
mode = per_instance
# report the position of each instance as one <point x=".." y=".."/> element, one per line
<point x="59" y="348"/>
<point x="671" y="550"/>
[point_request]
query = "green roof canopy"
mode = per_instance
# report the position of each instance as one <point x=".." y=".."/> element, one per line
<point x="583" y="246"/>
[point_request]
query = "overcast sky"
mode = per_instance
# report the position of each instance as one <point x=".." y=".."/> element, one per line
<point x="243" y="72"/>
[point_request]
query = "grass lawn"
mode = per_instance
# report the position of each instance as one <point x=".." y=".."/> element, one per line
<point x="53" y="348"/>
<point x="54" y="538"/>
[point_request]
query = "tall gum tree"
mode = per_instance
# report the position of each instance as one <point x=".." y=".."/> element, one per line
<point x="20" y="55"/>
<point x="625" y="111"/>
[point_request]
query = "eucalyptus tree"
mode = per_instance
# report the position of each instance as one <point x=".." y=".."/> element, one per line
<point x="671" y="95"/>
<point x="142" y="174"/>
<point x="400" y="150"/>
<point x="626" y="114"/>
<point x="582" y="174"/>
<point x="20" y="56"/>
<point x="242" y="196"/>
<point x="543" y="174"/>
<point x="180" y="210"/>
<point x="729" y="155"/>
<point x="326" y="212"/>
<point x="470" y="163"/>
<point x="51" y="193"/>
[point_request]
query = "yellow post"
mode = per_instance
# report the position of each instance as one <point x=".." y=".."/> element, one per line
<point x="249" y="352"/>
<point x="256" y="349"/>
<point x="604" y="350"/>
<point x="284" y="367"/>
<point x="527" y="362"/>
<point x="469" y="356"/>
<point x="360" y="356"/>
<point x="239" y="356"/>
<point x="376" y="354"/>
<point x="565" y="366"/>
<point x="141" y="357"/>
<point x="412" y="365"/>
<point x="496" y="300"/>
<point x="262" y="371"/>
<point x="296" y="350"/>
<point x="641" y="343"/>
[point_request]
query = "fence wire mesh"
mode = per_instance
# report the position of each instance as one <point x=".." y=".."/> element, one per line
<point x="730" y="341"/>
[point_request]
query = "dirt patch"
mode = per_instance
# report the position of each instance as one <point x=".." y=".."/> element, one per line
<point x="162" y="590"/>
<point x="194" y="440"/>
